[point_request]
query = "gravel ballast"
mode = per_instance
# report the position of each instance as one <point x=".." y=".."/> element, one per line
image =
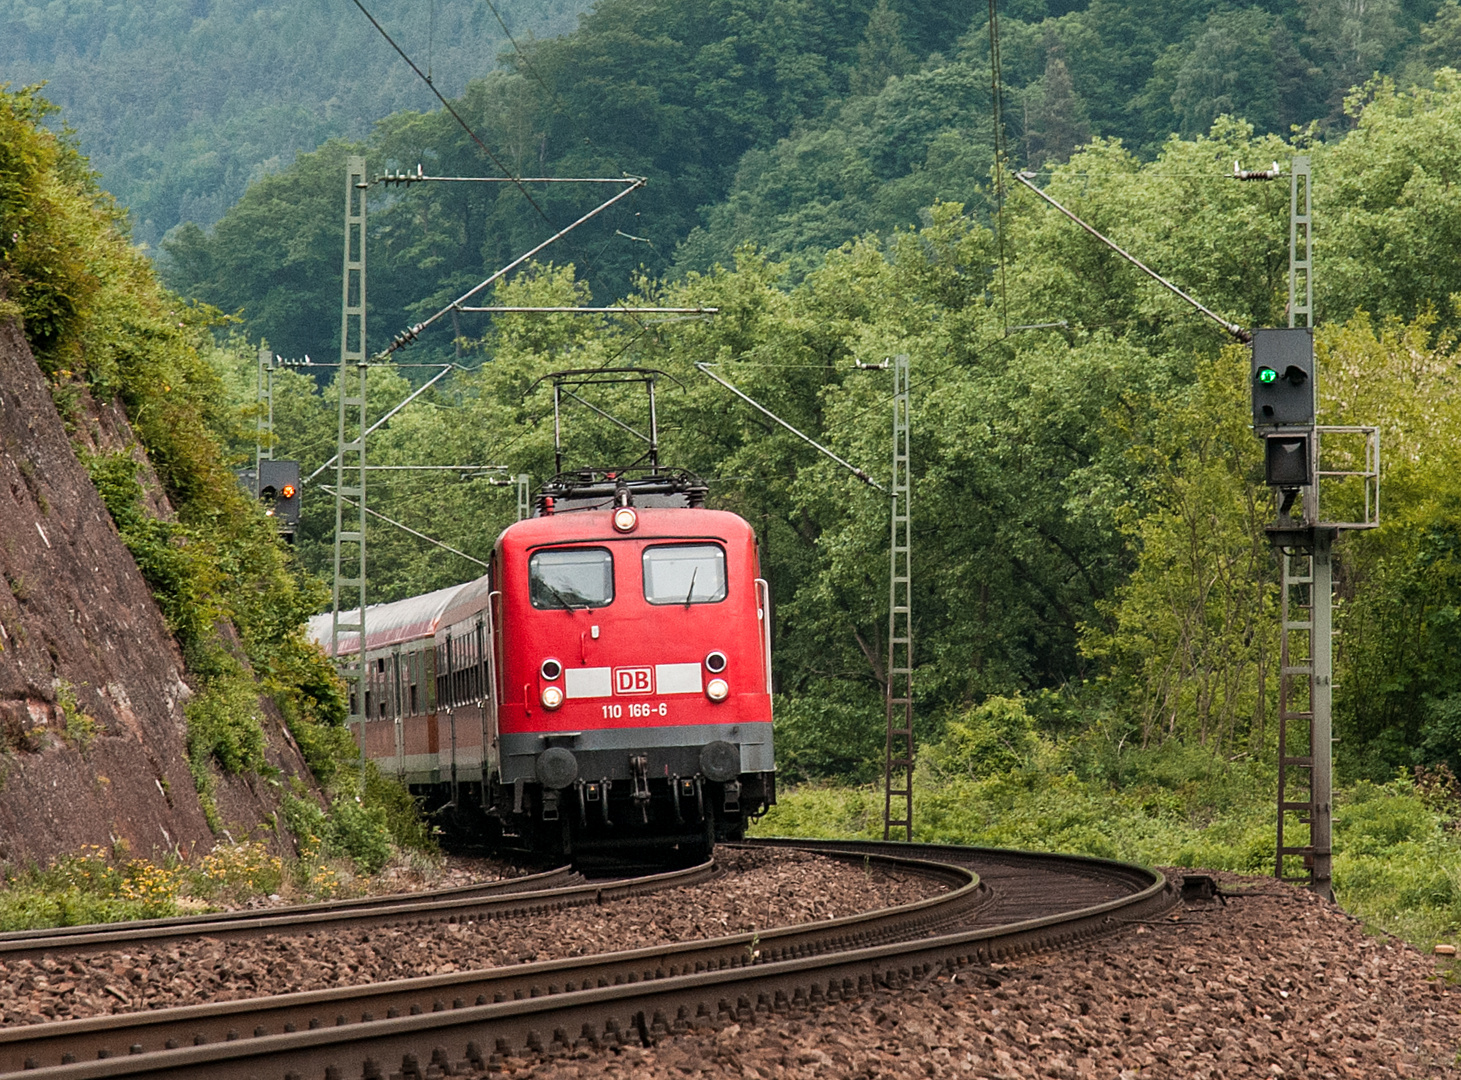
<point x="1273" y="984"/>
<point x="757" y="890"/>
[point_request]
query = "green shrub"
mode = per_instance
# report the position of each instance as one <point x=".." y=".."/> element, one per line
<point x="991" y="738"/>
<point x="359" y="832"/>
<point x="224" y="724"/>
<point x="399" y="811"/>
<point x="1397" y="860"/>
<point x="831" y="730"/>
<point x="353" y="829"/>
<point x="81" y="726"/>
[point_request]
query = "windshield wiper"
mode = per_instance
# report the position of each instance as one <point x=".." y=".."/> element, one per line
<point x="692" y="586"/>
<point x="559" y="596"/>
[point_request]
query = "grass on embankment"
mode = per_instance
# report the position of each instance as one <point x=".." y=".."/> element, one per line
<point x="340" y="855"/>
<point x="1397" y="862"/>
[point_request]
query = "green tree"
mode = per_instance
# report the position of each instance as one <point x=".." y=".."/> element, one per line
<point x="1390" y="198"/>
<point x="1229" y="71"/>
<point x="1191" y="637"/>
<point x="1441" y="37"/>
<point x="1055" y="115"/>
<point x="873" y="165"/>
<point x="881" y="55"/>
<point x="182" y="104"/>
<point x="1352" y="39"/>
<point x="275" y="257"/>
<point x="1400" y="585"/>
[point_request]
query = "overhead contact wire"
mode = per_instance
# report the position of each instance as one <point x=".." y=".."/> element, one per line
<point x="558" y="101"/>
<point x="455" y="115"/>
<point x="501" y="165"/>
<point x="996" y="102"/>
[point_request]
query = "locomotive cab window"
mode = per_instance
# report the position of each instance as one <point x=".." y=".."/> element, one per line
<point x="569" y="578"/>
<point x="684" y="574"/>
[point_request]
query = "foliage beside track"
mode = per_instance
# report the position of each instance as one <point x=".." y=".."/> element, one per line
<point x="100" y="323"/>
<point x="1397" y="845"/>
<point x="99" y="885"/>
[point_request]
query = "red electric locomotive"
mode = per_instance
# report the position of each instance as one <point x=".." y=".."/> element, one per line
<point x="605" y="687"/>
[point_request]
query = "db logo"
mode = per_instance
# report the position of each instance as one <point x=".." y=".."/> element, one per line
<point x="633" y="680"/>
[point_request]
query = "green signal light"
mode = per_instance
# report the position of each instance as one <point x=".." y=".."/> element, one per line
<point x="1266" y="375"/>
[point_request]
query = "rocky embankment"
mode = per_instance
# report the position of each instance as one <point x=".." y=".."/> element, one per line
<point x="93" y="739"/>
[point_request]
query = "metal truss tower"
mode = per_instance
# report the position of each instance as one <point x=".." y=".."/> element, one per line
<point x="524" y="496"/>
<point x="264" y="420"/>
<point x="1301" y="262"/>
<point x="1304" y="700"/>
<point x="1306" y="665"/>
<point x="898" y="756"/>
<point x="349" y="583"/>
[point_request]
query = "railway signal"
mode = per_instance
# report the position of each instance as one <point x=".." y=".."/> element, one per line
<point x="279" y="492"/>
<point x="276" y="485"/>
<point x="1283" y="377"/>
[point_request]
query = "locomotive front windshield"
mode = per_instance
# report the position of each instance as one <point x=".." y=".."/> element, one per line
<point x="567" y="578"/>
<point x="684" y="574"/>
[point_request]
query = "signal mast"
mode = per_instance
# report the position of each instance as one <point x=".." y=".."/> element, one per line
<point x="1283" y="380"/>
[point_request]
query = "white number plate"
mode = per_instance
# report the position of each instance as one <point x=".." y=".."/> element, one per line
<point x="635" y="710"/>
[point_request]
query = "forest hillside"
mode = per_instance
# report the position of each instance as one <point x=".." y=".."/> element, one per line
<point x="1095" y="600"/>
<point x="180" y="104"/>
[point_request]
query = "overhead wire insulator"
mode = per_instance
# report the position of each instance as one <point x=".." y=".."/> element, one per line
<point x="1271" y="173"/>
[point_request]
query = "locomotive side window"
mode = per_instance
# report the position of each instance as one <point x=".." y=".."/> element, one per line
<point x="571" y="578"/>
<point x="684" y="574"/>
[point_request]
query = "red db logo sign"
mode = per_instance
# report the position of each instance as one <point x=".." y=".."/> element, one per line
<point x="633" y="680"/>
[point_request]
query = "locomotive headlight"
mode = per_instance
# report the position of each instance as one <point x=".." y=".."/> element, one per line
<point x="717" y="689"/>
<point x="715" y="662"/>
<point x="551" y="669"/>
<point x="625" y="519"/>
<point x="552" y="697"/>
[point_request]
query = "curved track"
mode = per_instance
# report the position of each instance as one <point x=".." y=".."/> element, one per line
<point x="1024" y="903"/>
<point x="223" y="925"/>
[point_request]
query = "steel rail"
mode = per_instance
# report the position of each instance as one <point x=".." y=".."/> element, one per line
<point x="220" y="1022"/>
<point x="545" y="879"/>
<point x="588" y="1011"/>
<point x="323" y="917"/>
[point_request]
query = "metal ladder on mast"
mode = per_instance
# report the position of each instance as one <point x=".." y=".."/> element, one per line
<point x="1296" y="711"/>
<point x="898" y="756"/>
<point x="349" y="583"/>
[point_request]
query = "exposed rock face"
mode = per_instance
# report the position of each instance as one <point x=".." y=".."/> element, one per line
<point x="81" y="638"/>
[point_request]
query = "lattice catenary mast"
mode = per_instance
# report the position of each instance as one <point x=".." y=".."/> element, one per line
<point x="1305" y="547"/>
<point x="350" y="459"/>
<point x="898" y="756"/>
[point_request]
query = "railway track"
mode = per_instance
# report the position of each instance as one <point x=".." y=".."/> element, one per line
<point x="457" y="901"/>
<point x="998" y="904"/>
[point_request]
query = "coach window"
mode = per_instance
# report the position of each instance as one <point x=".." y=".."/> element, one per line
<point x="571" y="578"/>
<point x="684" y="574"/>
